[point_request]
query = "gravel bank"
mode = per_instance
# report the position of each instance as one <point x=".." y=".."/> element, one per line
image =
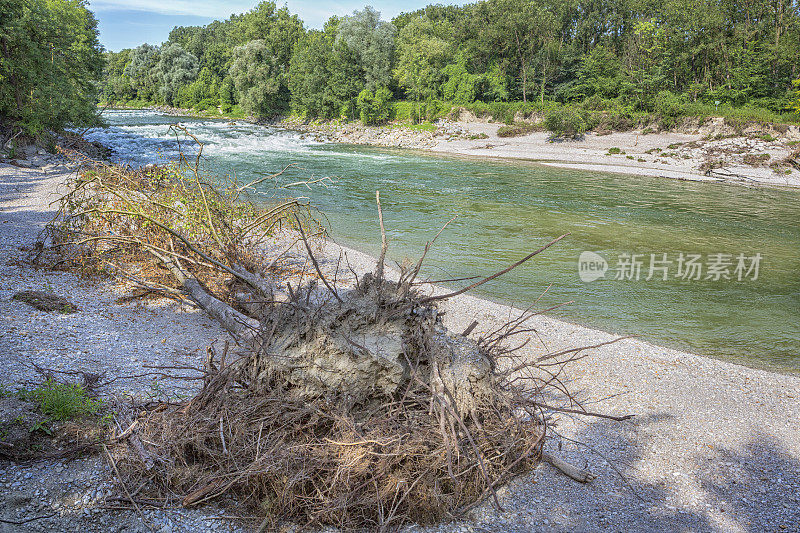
<point x="730" y="157"/>
<point x="714" y="446"/>
<point x="712" y="151"/>
<point x="102" y="337"/>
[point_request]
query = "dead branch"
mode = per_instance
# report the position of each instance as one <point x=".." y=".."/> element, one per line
<point x="314" y="260"/>
<point x="384" y="244"/>
<point x="573" y="472"/>
<point x="493" y="276"/>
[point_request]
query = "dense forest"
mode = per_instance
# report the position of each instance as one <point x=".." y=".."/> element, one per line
<point x="631" y="56"/>
<point x="50" y="64"/>
<point x="624" y="59"/>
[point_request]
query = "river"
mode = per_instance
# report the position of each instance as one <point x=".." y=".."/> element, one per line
<point x="730" y="254"/>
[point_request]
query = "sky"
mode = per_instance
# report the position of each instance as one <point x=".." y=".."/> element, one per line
<point x="129" y="23"/>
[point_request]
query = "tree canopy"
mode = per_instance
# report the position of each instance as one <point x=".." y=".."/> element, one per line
<point x="632" y="53"/>
<point x="50" y="61"/>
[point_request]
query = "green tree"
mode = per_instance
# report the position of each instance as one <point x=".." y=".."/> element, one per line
<point x="50" y="62"/>
<point x="142" y="70"/>
<point x="647" y="60"/>
<point x="176" y="68"/>
<point x="459" y="86"/>
<point x="116" y="85"/>
<point x="522" y="33"/>
<point x="203" y="93"/>
<point x="256" y="74"/>
<point x="421" y="57"/>
<point x="324" y="77"/>
<point x="796" y="103"/>
<point x="278" y="28"/>
<point x="600" y="73"/>
<point x="374" y="108"/>
<point x="372" y="42"/>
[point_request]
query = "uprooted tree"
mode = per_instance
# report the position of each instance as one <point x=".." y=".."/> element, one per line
<point x="344" y="403"/>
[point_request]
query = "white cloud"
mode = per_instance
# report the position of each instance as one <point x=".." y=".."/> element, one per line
<point x="198" y="8"/>
<point x="314" y="13"/>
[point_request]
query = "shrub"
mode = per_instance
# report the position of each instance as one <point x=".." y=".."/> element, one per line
<point x="565" y="122"/>
<point x="374" y="108"/>
<point x="434" y="109"/>
<point x="517" y="129"/>
<point x="668" y="106"/>
<point x="206" y="104"/>
<point x="403" y="110"/>
<point x="615" y="150"/>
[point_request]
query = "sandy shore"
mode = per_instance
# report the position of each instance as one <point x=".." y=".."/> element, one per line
<point x="713" y="446"/>
<point x="665" y="154"/>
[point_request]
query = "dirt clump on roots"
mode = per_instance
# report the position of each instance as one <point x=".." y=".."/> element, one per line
<point x="360" y="413"/>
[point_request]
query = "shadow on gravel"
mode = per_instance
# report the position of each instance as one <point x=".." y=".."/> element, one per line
<point x="752" y="489"/>
<point x="17" y="183"/>
<point x="22" y="218"/>
<point x="653" y="489"/>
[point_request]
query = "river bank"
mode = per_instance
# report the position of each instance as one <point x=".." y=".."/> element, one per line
<point x="713" y="447"/>
<point x="710" y="151"/>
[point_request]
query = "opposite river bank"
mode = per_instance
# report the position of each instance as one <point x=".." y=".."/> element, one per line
<point x="708" y="150"/>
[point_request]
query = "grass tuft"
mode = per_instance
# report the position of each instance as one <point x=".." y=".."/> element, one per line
<point x="63" y="401"/>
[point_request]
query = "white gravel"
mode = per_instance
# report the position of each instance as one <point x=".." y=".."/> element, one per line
<point x="713" y="447"/>
<point x="102" y="337"/>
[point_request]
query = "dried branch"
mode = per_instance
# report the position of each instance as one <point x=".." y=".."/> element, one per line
<point x="493" y="276"/>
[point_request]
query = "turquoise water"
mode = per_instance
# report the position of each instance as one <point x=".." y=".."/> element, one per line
<point x="507" y="209"/>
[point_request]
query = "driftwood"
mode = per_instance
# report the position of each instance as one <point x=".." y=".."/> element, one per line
<point x="346" y="405"/>
<point x="573" y="472"/>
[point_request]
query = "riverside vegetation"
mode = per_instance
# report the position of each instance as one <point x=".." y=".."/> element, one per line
<point x="577" y="65"/>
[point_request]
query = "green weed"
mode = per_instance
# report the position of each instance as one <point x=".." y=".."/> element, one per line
<point x="62" y="401"/>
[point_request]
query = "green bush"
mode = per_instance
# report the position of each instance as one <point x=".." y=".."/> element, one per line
<point x="565" y="122"/>
<point x="374" y="108"/>
<point x="403" y="110"/>
<point x="517" y="129"/>
<point x="434" y="109"/>
<point x="668" y="106"/>
<point x="505" y="111"/>
<point x="206" y="103"/>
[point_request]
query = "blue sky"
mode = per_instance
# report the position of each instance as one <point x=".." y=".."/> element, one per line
<point x="129" y="23"/>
